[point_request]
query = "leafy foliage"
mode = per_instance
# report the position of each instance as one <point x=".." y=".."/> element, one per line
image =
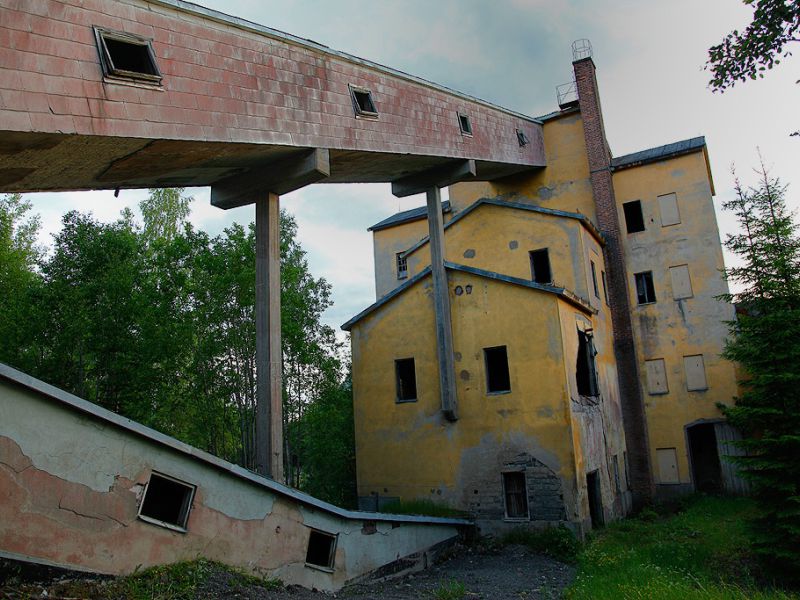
<point x="765" y="341"/>
<point x="157" y="323"/>
<point x="557" y="542"/>
<point x="748" y="54"/>
<point x="427" y="508"/>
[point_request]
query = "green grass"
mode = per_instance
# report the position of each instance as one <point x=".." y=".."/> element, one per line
<point x="450" y="590"/>
<point x="702" y="551"/>
<point x="557" y="542"/>
<point x="426" y="508"/>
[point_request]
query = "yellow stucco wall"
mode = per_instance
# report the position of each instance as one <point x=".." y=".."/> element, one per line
<point x="386" y="243"/>
<point x="671" y="329"/>
<point x="563" y="184"/>
<point x="408" y="449"/>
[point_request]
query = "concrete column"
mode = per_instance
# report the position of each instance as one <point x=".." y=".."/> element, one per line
<point x="441" y="302"/>
<point x="269" y="360"/>
<point x="599" y="155"/>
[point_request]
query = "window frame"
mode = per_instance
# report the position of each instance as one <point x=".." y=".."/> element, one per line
<point x="397" y="379"/>
<point x="464" y="124"/>
<point x="363" y="113"/>
<point x="593" y="268"/>
<point x="186" y="507"/>
<point x="524" y="479"/>
<point x="331" y="565"/>
<point x="117" y="75"/>
<point x="401" y="264"/>
<point x="649" y="286"/>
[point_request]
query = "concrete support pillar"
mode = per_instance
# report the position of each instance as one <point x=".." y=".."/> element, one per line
<point x="599" y="155"/>
<point x="441" y="301"/>
<point x="269" y="360"/>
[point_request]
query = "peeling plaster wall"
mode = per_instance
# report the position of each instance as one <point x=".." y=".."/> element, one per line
<point x="408" y="450"/>
<point x="71" y="485"/>
<point x="671" y="329"/>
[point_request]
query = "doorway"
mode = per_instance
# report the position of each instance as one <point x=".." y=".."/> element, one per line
<point x="706" y="471"/>
<point x="595" y="499"/>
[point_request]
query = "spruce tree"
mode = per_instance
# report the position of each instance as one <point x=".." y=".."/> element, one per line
<point x="765" y="342"/>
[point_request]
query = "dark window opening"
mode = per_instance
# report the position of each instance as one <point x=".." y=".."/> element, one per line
<point x="497" y="377"/>
<point x="362" y="102"/>
<point x="645" y="292"/>
<point x="464" y="124"/>
<point x="516" y="496"/>
<point x="595" y="499"/>
<point x="585" y="370"/>
<point x="605" y="286"/>
<point x="167" y="501"/>
<point x="522" y="138"/>
<point x="127" y="56"/>
<point x="617" y="487"/>
<point x="402" y="266"/>
<point x="594" y="279"/>
<point x="406" y="380"/>
<point x="321" y="549"/>
<point x="704" y="455"/>
<point x="540" y="266"/>
<point x="634" y="219"/>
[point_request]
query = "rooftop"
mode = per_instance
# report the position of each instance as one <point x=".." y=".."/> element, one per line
<point x="414" y="214"/>
<point x="664" y="152"/>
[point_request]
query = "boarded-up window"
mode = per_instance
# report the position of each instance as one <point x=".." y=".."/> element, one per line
<point x="515" y="495"/>
<point x="667" y="465"/>
<point x="656" y="376"/>
<point x="668" y="206"/>
<point x="681" y="284"/>
<point x="695" y="373"/>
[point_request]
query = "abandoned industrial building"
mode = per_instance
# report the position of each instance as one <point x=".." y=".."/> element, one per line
<point x="544" y="347"/>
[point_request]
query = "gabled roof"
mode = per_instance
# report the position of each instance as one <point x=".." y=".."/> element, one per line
<point x="561" y="292"/>
<point x="157" y="438"/>
<point x="664" y="152"/>
<point x="415" y="214"/>
<point x="585" y="221"/>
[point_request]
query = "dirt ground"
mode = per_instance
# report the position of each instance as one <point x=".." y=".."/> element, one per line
<point x="471" y="573"/>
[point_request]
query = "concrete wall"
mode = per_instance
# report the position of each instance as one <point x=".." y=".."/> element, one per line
<point x="72" y="477"/>
<point x="670" y="329"/>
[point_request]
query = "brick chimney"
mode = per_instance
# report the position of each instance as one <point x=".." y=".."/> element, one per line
<point x="599" y="154"/>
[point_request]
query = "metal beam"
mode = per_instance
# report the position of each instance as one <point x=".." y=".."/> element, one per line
<point x="441" y="303"/>
<point x="269" y="405"/>
<point x="438" y="177"/>
<point x="280" y="177"/>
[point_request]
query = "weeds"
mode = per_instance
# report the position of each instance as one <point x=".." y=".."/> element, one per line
<point x="556" y="542"/>
<point x="450" y="590"/>
<point x="427" y="508"/>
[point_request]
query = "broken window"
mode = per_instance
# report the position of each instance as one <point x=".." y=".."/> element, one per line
<point x="166" y="501"/>
<point x="126" y="56"/>
<point x="516" y="495"/>
<point x="406" y="380"/>
<point x="594" y="279"/>
<point x="402" y="265"/>
<point x="522" y="138"/>
<point x="668" y="206"/>
<point x="585" y="372"/>
<point x="540" y="266"/>
<point x="634" y="219"/>
<point x="605" y="287"/>
<point x="695" y="373"/>
<point x="362" y="102"/>
<point x="321" y="549"/>
<point x="645" y="292"/>
<point x="497" y="377"/>
<point x="464" y="124"/>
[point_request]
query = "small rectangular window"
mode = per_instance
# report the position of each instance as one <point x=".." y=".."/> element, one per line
<point x="656" y="376"/>
<point x="402" y="265"/>
<point x="645" y="292"/>
<point x="667" y="465"/>
<point x="695" y="373"/>
<point x="681" y="283"/>
<point x="594" y="279"/>
<point x="464" y="124"/>
<point x="497" y="377"/>
<point x="516" y="495"/>
<point x="406" y="377"/>
<point x="634" y="219"/>
<point x="363" y="104"/>
<point x="605" y="287"/>
<point x="127" y="57"/>
<point x="668" y="207"/>
<point x="166" y="502"/>
<point x="540" y="266"/>
<point x="522" y="139"/>
<point x="321" y="549"/>
<point x="585" y="368"/>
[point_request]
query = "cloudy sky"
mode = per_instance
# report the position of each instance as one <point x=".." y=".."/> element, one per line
<point x="649" y="56"/>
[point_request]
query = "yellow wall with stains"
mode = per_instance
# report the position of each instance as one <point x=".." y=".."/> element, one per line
<point x="670" y="329"/>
